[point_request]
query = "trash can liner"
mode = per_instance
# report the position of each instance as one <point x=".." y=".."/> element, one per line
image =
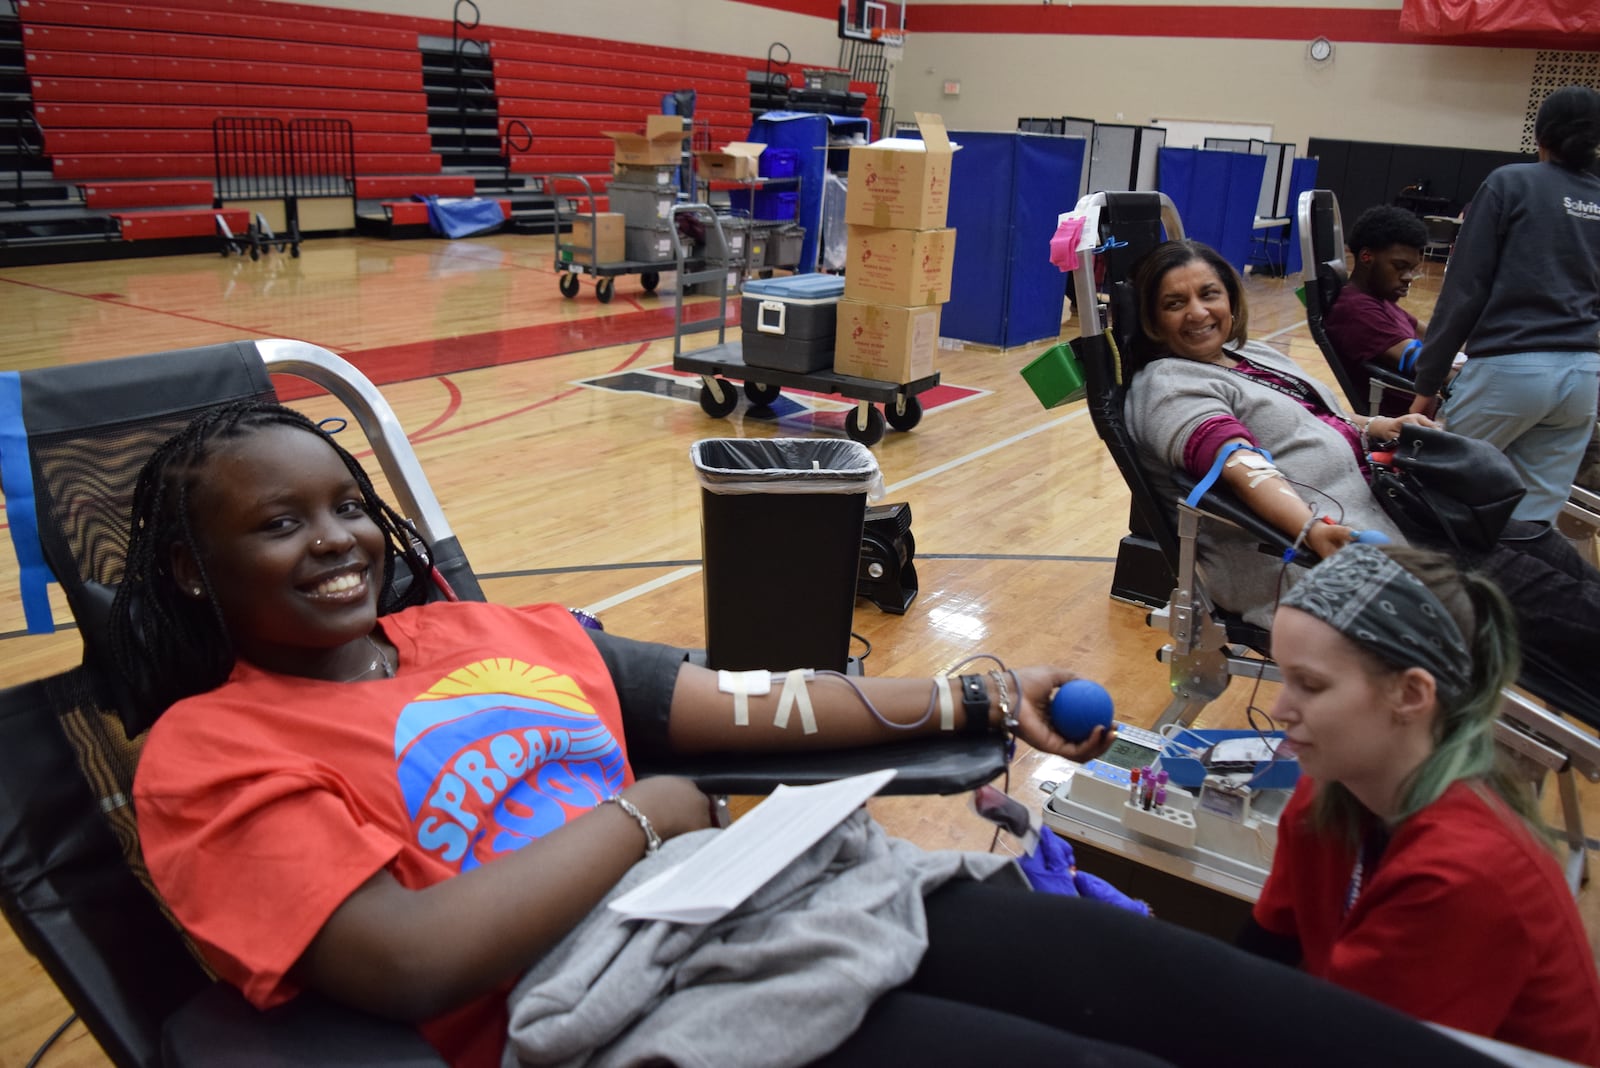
<point x="786" y="465"/>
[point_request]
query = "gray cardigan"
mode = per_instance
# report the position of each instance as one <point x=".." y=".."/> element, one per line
<point x="1169" y="400"/>
<point x="779" y="981"/>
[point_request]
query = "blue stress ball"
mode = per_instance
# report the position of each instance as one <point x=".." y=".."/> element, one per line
<point x="1078" y="707"/>
<point x="1369" y="537"/>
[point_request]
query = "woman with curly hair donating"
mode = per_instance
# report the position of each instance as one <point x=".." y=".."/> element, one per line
<point x="1410" y="867"/>
<point x="1522" y="296"/>
<point x="406" y="806"/>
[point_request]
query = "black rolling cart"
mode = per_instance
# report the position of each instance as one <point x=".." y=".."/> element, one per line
<point x="723" y="363"/>
<point x="573" y="262"/>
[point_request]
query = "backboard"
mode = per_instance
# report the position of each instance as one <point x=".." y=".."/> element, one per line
<point x="872" y="20"/>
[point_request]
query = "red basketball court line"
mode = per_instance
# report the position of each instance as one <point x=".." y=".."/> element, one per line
<point x="496" y="348"/>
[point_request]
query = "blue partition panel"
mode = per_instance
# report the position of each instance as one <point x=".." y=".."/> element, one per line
<point x="1215" y="194"/>
<point x="1006" y="190"/>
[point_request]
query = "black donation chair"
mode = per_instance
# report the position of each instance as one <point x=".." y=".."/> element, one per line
<point x="72" y="882"/>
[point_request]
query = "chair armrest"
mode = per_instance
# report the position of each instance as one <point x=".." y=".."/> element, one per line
<point x="1391" y="379"/>
<point x="1220" y="503"/>
<point x="946" y="764"/>
<point x="219" y="1029"/>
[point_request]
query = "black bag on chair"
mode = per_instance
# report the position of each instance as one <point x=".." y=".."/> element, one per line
<point x="1446" y="490"/>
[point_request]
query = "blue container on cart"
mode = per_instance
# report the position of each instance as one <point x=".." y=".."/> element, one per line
<point x="788" y="323"/>
<point x="779" y="204"/>
<point x="779" y="163"/>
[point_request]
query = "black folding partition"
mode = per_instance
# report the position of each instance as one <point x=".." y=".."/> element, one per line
<point x="1429" y="179"/>
<point x="267" y="159"/>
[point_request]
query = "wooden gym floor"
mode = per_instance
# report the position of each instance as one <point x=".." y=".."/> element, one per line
<point x="557" y="439"/>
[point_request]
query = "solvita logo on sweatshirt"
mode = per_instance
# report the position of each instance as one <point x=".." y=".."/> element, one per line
<point x="1583" y="209"/>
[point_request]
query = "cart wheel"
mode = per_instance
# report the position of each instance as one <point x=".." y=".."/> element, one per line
<point x="708" y="400"/>
<point x="870" y="434"/>
<point x="255" y="252"/>
<point x="294" y="250"/>
<point x="604" y="288"/>
<point x="568" y="284"/>
<point x="903" y="418"/>
<point x="224" y="251"/>
<point x="650" y="279"/>
<point x="761" y="395"/>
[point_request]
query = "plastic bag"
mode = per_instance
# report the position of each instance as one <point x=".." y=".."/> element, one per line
<point x="455" y="217"/>
<point x="834" y="230"/>
<point x="786" y="465"/>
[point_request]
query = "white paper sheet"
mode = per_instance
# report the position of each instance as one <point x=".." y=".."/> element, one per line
<point x="741" y="859"/>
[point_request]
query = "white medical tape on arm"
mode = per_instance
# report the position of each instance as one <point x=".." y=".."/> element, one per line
<point x="742" y="684"/>
<point x="794" y="695"/>
<point x="947" y="704"/>
<point x="1260" y="467"/>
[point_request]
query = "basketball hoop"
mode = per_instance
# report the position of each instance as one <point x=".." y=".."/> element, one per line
<point x="892" y="40"/>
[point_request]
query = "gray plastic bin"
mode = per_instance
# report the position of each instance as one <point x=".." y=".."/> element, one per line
<point x="781" y="522"/>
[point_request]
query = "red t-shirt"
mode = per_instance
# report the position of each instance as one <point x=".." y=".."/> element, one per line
<point x="265" y="803"/>
<point x="1466" y="921"/>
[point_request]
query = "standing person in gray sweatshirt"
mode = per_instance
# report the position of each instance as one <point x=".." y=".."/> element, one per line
<point x="1523" y="298"/>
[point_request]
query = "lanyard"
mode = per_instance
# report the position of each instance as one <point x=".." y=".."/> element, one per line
<point x="1373" y="844"/>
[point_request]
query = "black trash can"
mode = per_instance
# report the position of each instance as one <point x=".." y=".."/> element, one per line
<point x="781" y="523"/>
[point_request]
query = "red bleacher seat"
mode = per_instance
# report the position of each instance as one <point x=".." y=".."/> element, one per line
<point x="99" y="196"/>
<point x="145" y="116"/>
<point x="153" y="225"/>
<point x="46" y="38"/>
<point x="441" y="185"/>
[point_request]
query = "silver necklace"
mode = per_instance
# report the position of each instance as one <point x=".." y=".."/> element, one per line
<point x="379" y="658"/>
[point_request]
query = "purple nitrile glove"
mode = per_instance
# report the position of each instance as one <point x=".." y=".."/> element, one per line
<point x="1049" y="868"/>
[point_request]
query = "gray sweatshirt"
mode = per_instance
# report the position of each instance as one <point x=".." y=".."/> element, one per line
<point x="783" y="979"/>
<point x="1169" y="400"/>
<point x="1525" y="273"/>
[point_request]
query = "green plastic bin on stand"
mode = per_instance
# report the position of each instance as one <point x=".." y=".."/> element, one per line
<point x="781" y="522"/>
<point x="1055" y="376"/>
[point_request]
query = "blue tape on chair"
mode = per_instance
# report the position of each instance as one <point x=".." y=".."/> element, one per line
<point x="16" y="473"/>
<point x="1215" y="473"/>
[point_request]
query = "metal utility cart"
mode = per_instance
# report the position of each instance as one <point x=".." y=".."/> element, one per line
<point x="719" y="363"/>
<point x="570" y="263"/>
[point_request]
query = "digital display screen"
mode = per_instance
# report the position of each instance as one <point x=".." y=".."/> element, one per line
<point x="1130" y="755"/>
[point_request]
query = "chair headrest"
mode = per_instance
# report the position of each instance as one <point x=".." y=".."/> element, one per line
<point x="1331" y="278"/>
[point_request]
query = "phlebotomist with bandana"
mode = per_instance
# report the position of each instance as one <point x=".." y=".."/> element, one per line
<point x="1409" y="867"/>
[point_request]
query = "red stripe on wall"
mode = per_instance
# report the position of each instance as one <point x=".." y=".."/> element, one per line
<point x="822" y="9"/>
<point x="1171" y="20"/>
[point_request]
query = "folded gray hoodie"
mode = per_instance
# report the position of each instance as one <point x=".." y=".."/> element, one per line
<point x="781" y="980"/>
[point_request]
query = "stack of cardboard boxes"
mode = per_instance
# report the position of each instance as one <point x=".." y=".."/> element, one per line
<point x="899" y="257"/>
<point x="642" y="190"/>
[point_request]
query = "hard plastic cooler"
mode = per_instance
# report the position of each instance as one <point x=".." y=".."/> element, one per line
<point x="781" y="523"/>
<point x="788" y="323"/>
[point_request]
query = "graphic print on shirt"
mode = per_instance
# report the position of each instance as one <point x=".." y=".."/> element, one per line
<point x="497" y="754"/>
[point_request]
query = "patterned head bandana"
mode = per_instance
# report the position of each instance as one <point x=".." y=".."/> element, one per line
<point x="1376" y="603"/>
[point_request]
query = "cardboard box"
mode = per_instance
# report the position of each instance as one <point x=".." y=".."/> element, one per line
<point x="608" y="237"/>
<point x="886" y="342"/>
<point x="902" y="183"/>
<point x="735" y="161"/>
<point x="907" y="267"/>
<point x="661" y="142"/>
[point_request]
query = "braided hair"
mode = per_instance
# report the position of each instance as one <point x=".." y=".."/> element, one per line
<point x="165" y="646"/>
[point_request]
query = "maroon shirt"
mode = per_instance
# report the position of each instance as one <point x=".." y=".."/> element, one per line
<point x="1362" y="328"/>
